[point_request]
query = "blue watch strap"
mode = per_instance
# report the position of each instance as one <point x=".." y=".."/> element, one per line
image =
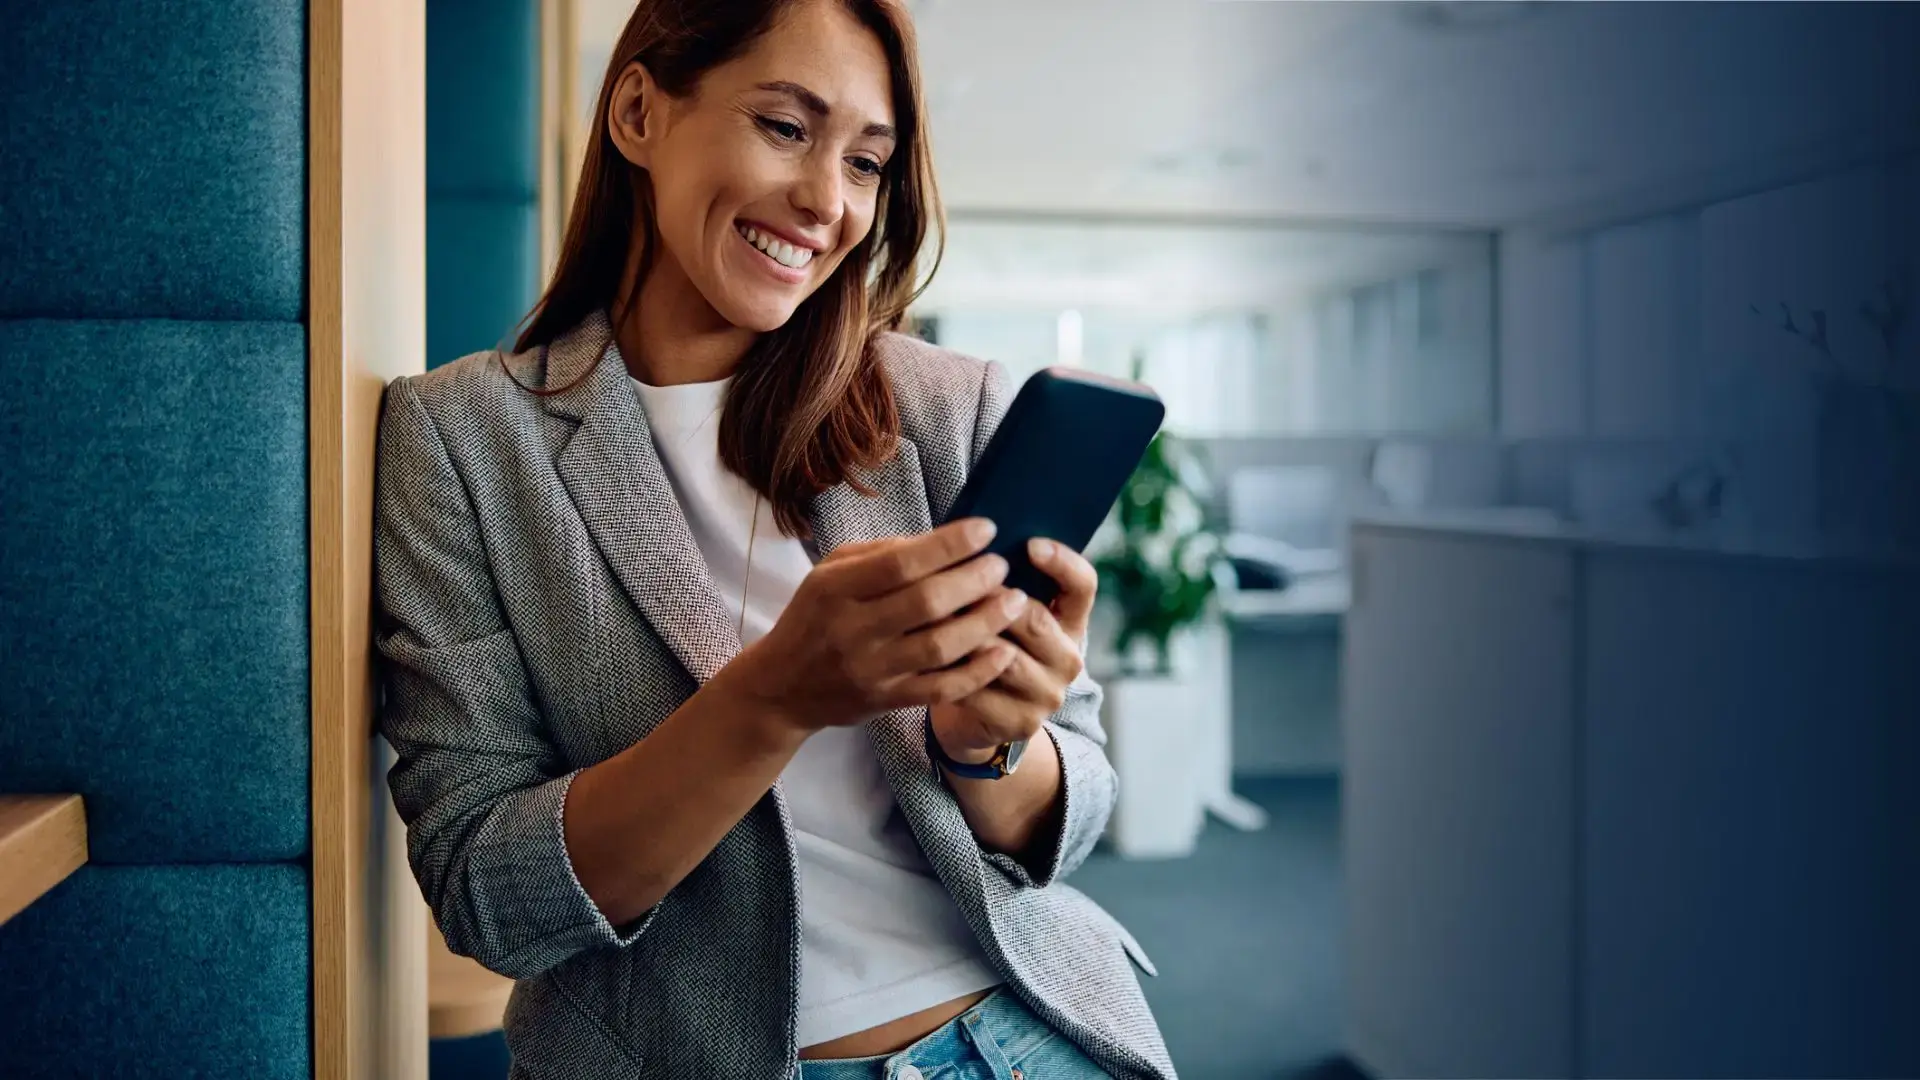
<point x="983" y="771"/>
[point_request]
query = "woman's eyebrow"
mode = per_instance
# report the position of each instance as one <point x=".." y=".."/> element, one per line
<point x="816" y="104"/>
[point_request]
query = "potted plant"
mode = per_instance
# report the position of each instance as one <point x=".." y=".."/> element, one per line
<point x="1867" y="420"/>
<point x="1157" y="559"/>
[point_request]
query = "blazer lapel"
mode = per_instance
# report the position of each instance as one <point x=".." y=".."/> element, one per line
<point x="614" y="476"/>
<point x="841" y="515"/>
<point x="616" y="481"/>
<point x="897" y="507"/>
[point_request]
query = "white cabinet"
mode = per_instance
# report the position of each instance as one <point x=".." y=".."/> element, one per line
<point x="1626" y="810"/>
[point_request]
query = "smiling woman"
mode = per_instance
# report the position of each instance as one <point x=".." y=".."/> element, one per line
<point x="746" y="151"/>
<point x="705" y="736"/>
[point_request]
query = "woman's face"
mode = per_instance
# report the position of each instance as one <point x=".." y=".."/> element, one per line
<point x="767" y="175"/>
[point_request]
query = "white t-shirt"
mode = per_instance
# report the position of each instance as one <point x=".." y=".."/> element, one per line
<point x="880" y="936"/>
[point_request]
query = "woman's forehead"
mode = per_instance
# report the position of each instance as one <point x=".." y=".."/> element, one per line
<point x="820" y="54"/>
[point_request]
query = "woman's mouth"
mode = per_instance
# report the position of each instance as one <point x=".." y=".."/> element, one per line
<point x="787" y="255"/>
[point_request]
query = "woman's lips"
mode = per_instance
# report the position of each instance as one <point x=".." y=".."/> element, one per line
<point x="786" y="261"/>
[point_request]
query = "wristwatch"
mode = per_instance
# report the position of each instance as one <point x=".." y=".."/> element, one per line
<point x="1005" y="759"/>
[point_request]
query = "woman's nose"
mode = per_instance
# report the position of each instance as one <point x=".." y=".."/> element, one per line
<point x="818" y="190"/>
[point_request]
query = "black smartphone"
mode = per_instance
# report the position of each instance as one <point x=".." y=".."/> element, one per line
<point x="1056" y="464"/>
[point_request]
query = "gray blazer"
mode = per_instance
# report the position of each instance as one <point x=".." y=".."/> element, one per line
<point x="542" y="606"/>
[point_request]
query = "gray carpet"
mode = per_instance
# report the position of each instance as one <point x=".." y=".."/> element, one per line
<point x="1246" y="935"/>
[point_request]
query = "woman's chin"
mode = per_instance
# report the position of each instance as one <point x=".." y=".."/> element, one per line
<point x="760" y="313"/>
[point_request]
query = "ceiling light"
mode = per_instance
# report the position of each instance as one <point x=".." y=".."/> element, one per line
<point x="1234" y="157"/>
<point x="1070" y="339"/>
<point x="1195" y="161"/>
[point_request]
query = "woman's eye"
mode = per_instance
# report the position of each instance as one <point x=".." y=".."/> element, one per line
<point x="786" y="129"/>
<point x="866" y="166"/>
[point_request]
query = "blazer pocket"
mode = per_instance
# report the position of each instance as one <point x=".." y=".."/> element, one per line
<point x="1101" y="915"/>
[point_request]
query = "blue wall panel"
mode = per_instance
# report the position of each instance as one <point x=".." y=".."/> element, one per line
<point x="483" y="98"/>
<point x="154" y="651"/>
<point x="155" y="159"/>
<point x="160" y="971"/>
<point x="483" y="273"/>
<point x="483" y="175"/>
<point x="153" y="571"/>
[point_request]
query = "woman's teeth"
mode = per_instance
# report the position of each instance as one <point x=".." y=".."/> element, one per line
<point x="778" y="250"/>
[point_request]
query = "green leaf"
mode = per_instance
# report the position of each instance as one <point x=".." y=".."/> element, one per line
<point x="1145" y="571"/>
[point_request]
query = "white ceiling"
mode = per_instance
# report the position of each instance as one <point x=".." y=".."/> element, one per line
<point x="1459" y="114"/>
<point x="1382" y="111"/>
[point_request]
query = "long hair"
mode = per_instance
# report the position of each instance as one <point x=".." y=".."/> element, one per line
<point x="810" y="402"/>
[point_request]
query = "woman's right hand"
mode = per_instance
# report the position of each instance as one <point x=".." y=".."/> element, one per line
<point x="887" y="624"/>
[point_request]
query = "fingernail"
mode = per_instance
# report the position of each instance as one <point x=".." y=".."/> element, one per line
<point x="982" y="530"/>
<point x="1042" y="549"/>
<point x="1015" y="603"/>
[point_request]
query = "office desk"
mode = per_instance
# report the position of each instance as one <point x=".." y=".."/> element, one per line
<point x="1309" y="605"/>
<point x="1285" y="662"/>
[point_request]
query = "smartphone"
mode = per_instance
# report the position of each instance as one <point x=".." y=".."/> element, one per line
<point x="1054" y="467"/>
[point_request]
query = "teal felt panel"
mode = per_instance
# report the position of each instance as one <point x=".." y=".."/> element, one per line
<point x="474" y="1057"/>
<point x="483" y="266"/>
<point x="156" y="159"/>
<point x="483" y="98"/>
<point x="153" y="572"/>
<point x="164" y="972"/>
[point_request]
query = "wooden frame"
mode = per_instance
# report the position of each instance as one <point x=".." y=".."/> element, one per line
<point x="573" y="122"/>
<point x="564" y="131"/>
<point x="556" y="41"/>
<point x="366" y="324"/>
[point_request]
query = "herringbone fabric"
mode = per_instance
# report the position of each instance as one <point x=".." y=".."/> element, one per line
<point x="542" y="606"/>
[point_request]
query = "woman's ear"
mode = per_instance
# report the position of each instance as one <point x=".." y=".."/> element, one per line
<point x="635" y="114"/>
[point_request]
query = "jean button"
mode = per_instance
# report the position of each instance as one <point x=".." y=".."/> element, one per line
<point x="909" y="1072"/>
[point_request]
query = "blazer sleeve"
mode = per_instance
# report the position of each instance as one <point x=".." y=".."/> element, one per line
<point x="480" y="787"/>
<point x="1088" y="784"/>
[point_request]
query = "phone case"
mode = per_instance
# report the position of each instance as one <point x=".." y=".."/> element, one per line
<point x="1059" y="459"/>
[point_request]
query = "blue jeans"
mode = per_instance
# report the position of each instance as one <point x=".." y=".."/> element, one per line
<point x="997" y="1039"/>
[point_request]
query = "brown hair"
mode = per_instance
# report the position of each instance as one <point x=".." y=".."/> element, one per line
<point x="810" y="402"/>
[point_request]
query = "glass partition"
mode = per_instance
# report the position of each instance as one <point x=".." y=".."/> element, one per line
<point x="1244" y="329"/>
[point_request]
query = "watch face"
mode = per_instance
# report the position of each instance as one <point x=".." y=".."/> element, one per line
<point x="1015" y="751"/>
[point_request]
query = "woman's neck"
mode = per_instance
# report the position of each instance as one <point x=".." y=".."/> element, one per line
<point x="671" y="335"/>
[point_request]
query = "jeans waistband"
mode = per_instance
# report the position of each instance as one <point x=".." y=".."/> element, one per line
<point x="997" y="1027"/>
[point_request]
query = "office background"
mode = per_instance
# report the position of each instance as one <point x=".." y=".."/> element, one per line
<point x="1548" y="374"/>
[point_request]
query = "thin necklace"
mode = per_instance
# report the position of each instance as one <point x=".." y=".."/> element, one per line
<point x="740" y="632"/>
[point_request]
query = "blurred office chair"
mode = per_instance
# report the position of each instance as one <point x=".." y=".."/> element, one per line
<point x="1298" y="505"/>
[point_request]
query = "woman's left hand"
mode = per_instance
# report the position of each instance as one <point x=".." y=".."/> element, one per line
<point x="1049" y="637"/>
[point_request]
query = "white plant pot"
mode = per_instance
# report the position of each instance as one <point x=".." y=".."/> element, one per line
<point x="1150" y="742"/>
<point x="1202" y="655"/>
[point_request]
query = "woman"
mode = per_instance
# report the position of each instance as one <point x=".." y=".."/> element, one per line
<point x="707" y="438"/>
